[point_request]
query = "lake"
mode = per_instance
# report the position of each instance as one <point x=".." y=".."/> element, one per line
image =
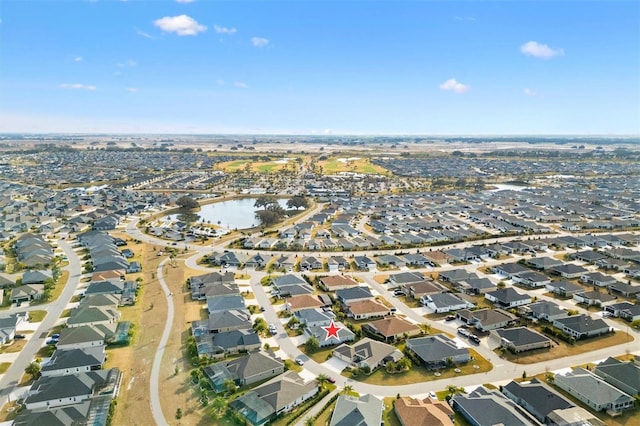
<point x="231" y="214"/>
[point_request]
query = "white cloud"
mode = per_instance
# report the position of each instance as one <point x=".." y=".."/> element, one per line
<point x="539" y="50"/>
<point x="224" y="30"/>
<point x="455" y="86"/>
<point x="240" y="85"/>
<point x="145" y="35"/>
<point x="529" y="92"/>
<point x="78" y="86"/>
<point x="259" y="41"/>
<point x="132" y="89"/>
<point x="78" y="58"/>
<point x="182" y="25"/>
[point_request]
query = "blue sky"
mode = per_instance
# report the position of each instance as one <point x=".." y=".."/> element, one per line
<point x="334" y="67"/>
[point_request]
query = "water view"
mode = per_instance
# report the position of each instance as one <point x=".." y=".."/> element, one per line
<point x="231" y="214"/>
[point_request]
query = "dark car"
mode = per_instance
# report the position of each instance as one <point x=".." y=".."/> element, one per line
<point x="331" y="380"/>
<point x="450" y="318"/>
<point x="19" y="336"/>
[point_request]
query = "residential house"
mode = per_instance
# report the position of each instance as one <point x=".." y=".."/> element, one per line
<point x="624" y="375"/>
<point x="536" y="397"/>
<point x="593" y="391"/>
<point x="55" y="391"/>
<point x="291" y="285"/>
<point x="367" y="353"/>
<point x="93" y="315"/>
<point x="278" y="395"/>
<point x="337" y="282"/>
<point x="402" y="278"/>
<point x="314" y="317"/>
<point x="224" y="321"/>
<point x="364" y="263"/>
<point x="245" y="370"/>
<point x="8" y="326"/>
<point x="532" y="279"/>
<point x="543" y="263"/>
<point x="486" y="319"/>
<point x="625" y="289"/>
<point x="509" y="270"/>
<point x="456" y="275"/>
<point x="310" y="262"/>
<point x="488" y="407"/>
<point x="303" y="301"/>
<point x="362" y="410"/>
<point x="569" y="270"/>
<point x="507" y="298"/>
<point x="476" y="285"/>
<point x="423" y="412"/>
<point x="573" y="416"/>
<point x="594" y="298"/>
<point x="598" y="279"/>
<point x="354" y="294"/>
<point x="564" y="288"/>
<point x="543" y="310"/>
<point x="445" y="302"/>
<point x="337" y="263"/>
<point x="423" y="288"/>
<point x="320" y="332"/>
<point x="36" y="277"/>
<point x="74" y="361"/>
<point x="391" y="328"/>
<point x="582" y="326"/>
<point x="366" y="309"/>
<point x="437" y="351"/>
<point x="225" y="303"/>
<point x="85" y="336"/>
<point x="520" y="339"/>
<point x="26" y="293"/>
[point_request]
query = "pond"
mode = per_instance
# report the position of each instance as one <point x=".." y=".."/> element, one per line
<point x="231" y="214"/>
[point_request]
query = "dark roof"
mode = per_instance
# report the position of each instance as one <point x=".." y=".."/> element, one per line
<point x="520" y="336"/>
<point x="535" y="394"/>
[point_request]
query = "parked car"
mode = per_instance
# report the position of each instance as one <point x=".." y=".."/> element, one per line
<point x="331" y="379"/>
<point x="475" y="339"/>
<point x="19" y="336"/>
<point x="463" y="332"/>
<point x="398" y="292"/>
<point x="450" y="318"/>
<point x="299" y="361"/>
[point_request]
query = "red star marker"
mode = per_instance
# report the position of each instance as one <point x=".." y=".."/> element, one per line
<point x="332" y="331"/>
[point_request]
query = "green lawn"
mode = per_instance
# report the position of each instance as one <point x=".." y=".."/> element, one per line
<point x="418" y="374"/>
<point x="319" y="356"/>
<point x="389" y="416"/>
<point x="37" y="316"/>
<point x="4" y="366"/>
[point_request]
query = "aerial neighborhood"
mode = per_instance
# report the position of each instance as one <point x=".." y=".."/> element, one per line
<point x="456" y="289"/>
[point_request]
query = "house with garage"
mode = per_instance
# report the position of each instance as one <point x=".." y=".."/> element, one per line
<point x="219" y="345"/>
<point x="507" y="298"/>
<point x="361" y="410"/>
<point x="391" y="328"/>
<point x="314" y="317"/>
<point x="593" y="391"/>
<point x="520" y="339"/>
<point x="364" y="263"/>
<point x="543" y="263"/>
<point x="594" y="298"/>
<point x="367" y="353"/>
<point x="245" y="370"/>
<point x="437" y="351"/>
<point x="85" y="336"/>
<point x="302" y="301"/>
<point x="624" y="375"/>
<point x="291" y="285"/>
<point x="26" y="293"/>
<point x="445" y="302"/>
<point x="582" y="326"/>
<point x="509" y="270"/>
<point x="564" y="288"/>
<point x="543" y="310"/>
<point x="536" y="397"/>
<point x="532" y="279"/>
<point x="321" y="333"/>
<point x="598" y="279"/>
<point x="353" y="294"/>
<point x="337" y="282"/>
<point x="367" y="309"/>
<point x="486" y="319"/>
<point x="456" y="275"/>
<point x="8" y="326"/>
<point x="569" y="271"/>
<point x="488" y="407"/>
<point x="277" y="396"/>
<point x="625" y="289"/>
<point x="423" y="288"/>
<point x="476" y="286"/>
<point x="423" y="412"/>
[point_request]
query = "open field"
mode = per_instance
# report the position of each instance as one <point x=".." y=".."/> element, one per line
<point x="351" y="164"/>
<point x="255" y="166"/>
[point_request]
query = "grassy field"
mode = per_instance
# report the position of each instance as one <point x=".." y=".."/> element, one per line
<point x="356" y="165"/>
<point x="254" y="166"/>
<point x="4" y="366"/>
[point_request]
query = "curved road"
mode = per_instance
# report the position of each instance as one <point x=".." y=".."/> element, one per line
<point x="10" y="379"/>
<point x="503" y="370"/>
<point x="154" y="379"/>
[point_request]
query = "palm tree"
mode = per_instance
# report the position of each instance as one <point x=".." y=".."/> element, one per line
<point x="33" y="370"/>
<point x="347" y="390"/>
<point x="309" y="421"/>
<point x="322" y="380"/>
<point x="230" y="386"/>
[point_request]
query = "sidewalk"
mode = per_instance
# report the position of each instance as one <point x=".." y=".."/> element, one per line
<point x="316" y="408"/>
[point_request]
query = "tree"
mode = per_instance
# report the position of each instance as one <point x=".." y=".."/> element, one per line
<point x="187" y="203"/>
<point x="260" y="325"/>
<point x="230" y="386"/>
<point x="219" y="406"/>
<point x="271" y="215"/>
<point x="33" y="370"/>
<point x="309" y="421"/>
<point x="312" y="344"/>
<point x="298" y="201"/>
<point x="347" y="390"/>
<point x="322" y="380"/>
<point x="265" y="201"/>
